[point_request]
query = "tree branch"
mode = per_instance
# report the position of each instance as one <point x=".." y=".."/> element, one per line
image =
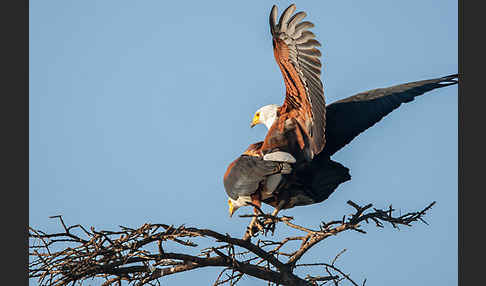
<point x="138" y="256"/>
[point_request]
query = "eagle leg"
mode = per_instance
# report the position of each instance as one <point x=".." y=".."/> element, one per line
<point x="271" y="222"/>
<point x="255" y="225"/>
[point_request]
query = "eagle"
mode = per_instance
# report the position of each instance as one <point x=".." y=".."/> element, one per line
<point x="292" y="166"/>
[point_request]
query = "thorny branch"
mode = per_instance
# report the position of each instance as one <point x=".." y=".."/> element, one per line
<point x="139" y="256"/>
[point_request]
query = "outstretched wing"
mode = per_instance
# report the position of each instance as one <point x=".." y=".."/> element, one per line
<point x="348" y="117"/>
<point x="296" y="53"/>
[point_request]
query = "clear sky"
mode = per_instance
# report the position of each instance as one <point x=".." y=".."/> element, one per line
<point x="137" y="108"/>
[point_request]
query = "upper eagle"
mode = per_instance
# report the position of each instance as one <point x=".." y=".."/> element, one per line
<point x="292" y="166"/>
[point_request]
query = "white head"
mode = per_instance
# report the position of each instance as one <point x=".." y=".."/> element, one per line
<point x="236" y="204"/>
<point x="266" y="115"/>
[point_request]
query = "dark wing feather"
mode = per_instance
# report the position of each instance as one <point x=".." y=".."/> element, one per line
<point x="312" y="182"/>
<point x="244" y="175"/>
<point x="322" y="177"/>
<point x="347" y="118"/>
<point x="296" y="53"/>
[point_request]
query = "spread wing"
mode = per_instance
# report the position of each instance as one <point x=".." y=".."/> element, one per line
<point x="296" y="53"/>
<point x="348" y="117"/>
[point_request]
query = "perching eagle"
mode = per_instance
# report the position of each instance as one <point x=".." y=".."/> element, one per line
<point x="292" y="166"/>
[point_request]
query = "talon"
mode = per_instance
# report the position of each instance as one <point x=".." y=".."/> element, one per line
<point x="270" y="225"/>
<point x="268" y="221"/>
<point x="259" y="226"/>
<point x="255" y="226"/>
<point x="250" y="231"/>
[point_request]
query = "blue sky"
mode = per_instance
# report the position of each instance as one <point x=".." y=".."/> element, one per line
<point x="137" y="108"/>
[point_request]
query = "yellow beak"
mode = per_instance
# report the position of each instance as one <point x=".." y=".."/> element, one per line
<point x="231" y="208"/>
<point x="255" y="121"/>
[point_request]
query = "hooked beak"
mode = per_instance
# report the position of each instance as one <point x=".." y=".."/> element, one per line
<point x="254" y="121"/>
<point x="231" y="208"/>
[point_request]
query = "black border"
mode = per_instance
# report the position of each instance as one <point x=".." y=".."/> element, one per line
<point x="460" y="165"/>
<point x="15" y="133"/>
<point x="472" y="128"/>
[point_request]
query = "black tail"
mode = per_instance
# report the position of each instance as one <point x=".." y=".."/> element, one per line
<point x="322" y="177"/>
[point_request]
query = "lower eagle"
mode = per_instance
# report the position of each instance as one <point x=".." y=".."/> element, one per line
<point x="293" y="165"/>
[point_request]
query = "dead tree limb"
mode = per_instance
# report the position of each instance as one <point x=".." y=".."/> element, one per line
<point x="139" y="256"/>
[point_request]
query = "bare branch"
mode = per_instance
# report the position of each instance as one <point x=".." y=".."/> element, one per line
<point x="139" y="256"/>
